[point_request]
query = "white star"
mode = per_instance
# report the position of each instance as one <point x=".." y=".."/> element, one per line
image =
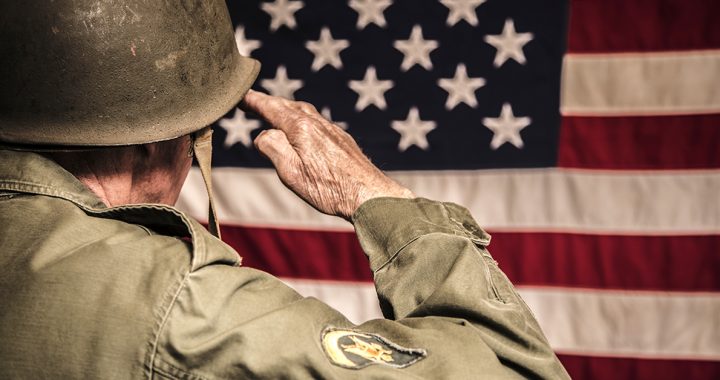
<point x="326" y="114"/>
<point x="506" y="127"/>
<point x="326" y="50"/>
<point x="461" y="89"/>
<point x="370" y="90"/>
<point x="238" y="129"/>
<point x="509" y="44"/>
<point x="413" y="131"/>
<point x="245" y="47"/>
<point x="370" y="11"/>
<point x="462" y="10"/>
<point x="416" y="50"/>
<point x="282" y="13"/>
<point x="281" y="85"/>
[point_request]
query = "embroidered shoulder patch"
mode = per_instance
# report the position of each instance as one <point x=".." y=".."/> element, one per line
<point x="355" y="350"/>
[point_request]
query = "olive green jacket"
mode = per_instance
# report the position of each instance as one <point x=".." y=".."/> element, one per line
<point x="144" y="291"/>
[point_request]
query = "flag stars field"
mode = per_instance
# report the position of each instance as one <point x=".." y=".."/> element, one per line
<point x="416" y="50"/>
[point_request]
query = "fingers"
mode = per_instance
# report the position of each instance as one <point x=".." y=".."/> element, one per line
<point x="281" y="113"/>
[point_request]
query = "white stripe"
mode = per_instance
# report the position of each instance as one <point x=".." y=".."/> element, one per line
<point x="628" y="324"/>
<point x="641" y="83"/>
<point x="563" y="200"/>
<point x="593" y="323"/>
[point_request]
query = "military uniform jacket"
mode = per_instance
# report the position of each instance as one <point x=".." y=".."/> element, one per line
<point x="144" y="291"/>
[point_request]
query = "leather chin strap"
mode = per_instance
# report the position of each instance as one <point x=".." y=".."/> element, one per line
<point x="202" y="148"/>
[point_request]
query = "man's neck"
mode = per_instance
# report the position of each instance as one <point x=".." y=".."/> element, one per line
<point x="150" y="173"/>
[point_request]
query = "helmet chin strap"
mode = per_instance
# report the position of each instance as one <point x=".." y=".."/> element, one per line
<point x="202" y="147"/>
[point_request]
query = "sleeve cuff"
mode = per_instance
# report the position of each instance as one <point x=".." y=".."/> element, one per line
<point x="384" y="226"/>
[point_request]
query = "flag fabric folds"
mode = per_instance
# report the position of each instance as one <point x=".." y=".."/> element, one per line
<point x="582" y="134"/>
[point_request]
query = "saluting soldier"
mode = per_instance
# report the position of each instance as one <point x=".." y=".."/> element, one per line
<point x="103" y="106"/>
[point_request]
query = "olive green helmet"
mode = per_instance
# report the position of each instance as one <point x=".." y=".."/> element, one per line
<point x="80" y="73"/>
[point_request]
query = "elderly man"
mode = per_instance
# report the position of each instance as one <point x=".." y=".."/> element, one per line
<point x="104" y="105"/>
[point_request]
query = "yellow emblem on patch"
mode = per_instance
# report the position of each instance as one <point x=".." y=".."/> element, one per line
<point x="355" y="349"/>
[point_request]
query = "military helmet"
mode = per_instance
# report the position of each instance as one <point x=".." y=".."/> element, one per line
<point x="108" y="72"/>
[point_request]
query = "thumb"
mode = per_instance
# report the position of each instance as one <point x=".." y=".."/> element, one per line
<point x="274" y="145"/>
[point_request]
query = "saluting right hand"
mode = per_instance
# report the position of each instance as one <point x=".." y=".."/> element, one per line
<point x="316" y="159"/>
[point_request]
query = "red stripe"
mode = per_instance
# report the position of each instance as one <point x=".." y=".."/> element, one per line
<point x="585" y="367"/>
<point x="654" y="142"/>
<point x="679" y="263"/>
<point x="319" y="255"/>
<point x="598" y="26"/>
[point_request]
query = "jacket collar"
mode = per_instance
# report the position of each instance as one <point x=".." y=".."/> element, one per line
<point x="31" y="173"/>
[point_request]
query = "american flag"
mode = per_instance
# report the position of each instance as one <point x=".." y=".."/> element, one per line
<point x="582" y="134"/>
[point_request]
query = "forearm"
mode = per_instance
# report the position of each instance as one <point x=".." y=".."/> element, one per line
<point x="429" y="260"/>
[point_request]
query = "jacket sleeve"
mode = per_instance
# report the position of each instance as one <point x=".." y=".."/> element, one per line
<point x="450" y="312"/>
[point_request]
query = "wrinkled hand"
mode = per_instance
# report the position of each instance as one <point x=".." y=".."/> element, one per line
<point x="316" y="159"/>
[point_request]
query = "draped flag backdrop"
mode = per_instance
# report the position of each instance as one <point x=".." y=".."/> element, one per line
<point x="582" y="134"/>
